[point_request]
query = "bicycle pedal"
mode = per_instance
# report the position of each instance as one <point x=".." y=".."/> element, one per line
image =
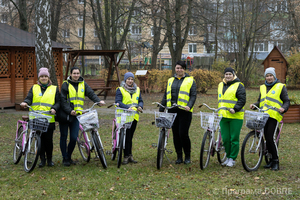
<point x="108" y="152"/>
<point x="169" y="151"/>
<point x="154" y="145"/>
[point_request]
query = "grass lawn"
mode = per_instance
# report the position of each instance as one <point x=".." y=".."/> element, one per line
<point x="143" y="180"/>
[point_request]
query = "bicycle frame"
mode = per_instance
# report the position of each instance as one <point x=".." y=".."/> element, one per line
<point x="23" y="134"/>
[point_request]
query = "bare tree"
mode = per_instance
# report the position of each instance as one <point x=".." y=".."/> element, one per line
<point x="43" y="45"/>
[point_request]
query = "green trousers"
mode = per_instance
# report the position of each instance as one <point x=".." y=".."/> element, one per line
<point x="230" y="131"/>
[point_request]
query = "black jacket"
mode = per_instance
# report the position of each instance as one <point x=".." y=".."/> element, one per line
<point x="240" y="94"/>
<point x="89" y="92"/>
<point x="175" y="90"/>
<point x="283" y="96"/>
<point x="56" y="105"/>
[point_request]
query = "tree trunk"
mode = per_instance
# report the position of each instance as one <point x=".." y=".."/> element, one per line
<point x="43" y="45"/>
<point x="55" y="16"/>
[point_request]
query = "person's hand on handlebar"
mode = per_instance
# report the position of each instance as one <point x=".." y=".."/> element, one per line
<point x="231" y="111"/>
<point x="140" y="109"/>
<point x="101" y="103"/>
<point x="23" y="104"/>
<point x="53" y="111"/>
<point x="252" y="106"/>
<point x="281" y="110"/>
<point x="73" y="112"/>
<point x="186" y="108"/>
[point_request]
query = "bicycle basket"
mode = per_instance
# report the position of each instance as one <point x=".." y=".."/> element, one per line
<point x="210" y="120"/>
<point x="89" y="120"/>
<point x="38" y="121"/>
<point x="164" y="120"/>
<point x="256" y="120"/>
<point x="124" y="117"/>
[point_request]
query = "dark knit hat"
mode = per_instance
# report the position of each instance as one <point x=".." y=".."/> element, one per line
<point x="127" y="75"/>
<point x="229" y="69"/>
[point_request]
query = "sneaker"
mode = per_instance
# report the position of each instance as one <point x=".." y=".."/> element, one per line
<point x="66" y="162"/>
<point x="230" y="163"/>
<point x="72" y="162"/>
<point x="130" y="159"/>
<point x="225" y="162"/>
<point x="125" y="161"/>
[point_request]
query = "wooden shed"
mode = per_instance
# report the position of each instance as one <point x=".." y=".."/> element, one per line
<point x="17" y="64"/>
<point x="276" y="59"/>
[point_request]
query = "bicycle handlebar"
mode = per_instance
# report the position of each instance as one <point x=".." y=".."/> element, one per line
<point x="168" y="108"/>
<point x="214" y="109"/>
<point x="263" y="110"/>
<point x="89" y="109"/>
<point x="131" y="106"/>
<point x="39" y="111"/>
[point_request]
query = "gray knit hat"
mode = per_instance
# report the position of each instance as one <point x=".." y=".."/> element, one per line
<point x="270" y="70"/>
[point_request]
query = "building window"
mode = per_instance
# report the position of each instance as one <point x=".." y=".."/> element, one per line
<point x="192" y="48"/>
<point x="258" y="47"/>
<point x="80" y="16"/>
<point x="95" y="33"/>
<point x="4" y="18"/>
<point x="80" y="32"/>
<point x="4" y="2"/>
<point x="136" y="12"/>
<point x="80" y="1"/>
<point x="66" y="33"/>
<point x="192" y="30"/>
<point x="136" y="30"/>
<point x="97" y="47"/>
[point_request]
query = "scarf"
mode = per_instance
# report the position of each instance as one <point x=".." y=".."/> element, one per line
<point x="270" y="84"/>
<point x="130" y="89"/>
<point x="44" y="86"/>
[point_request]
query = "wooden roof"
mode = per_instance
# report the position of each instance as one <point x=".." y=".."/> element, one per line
<point x="14" y="37"/>
<point x="276" y="48"/>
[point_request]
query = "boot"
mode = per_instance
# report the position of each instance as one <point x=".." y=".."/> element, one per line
<point x="179" y="159"/>
<point x="187" y="159"/>
<point x="66" y="162"/>
<point x="130" y="159"/>
<point x="269" y="165"/>
<point x="125" y="161"/>
<point x="50" y="163"/>
<point x="43" y="162"/>
<point x="275" y="166"/>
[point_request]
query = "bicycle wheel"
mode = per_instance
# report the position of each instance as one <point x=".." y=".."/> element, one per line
<point x="114" y="148"/>
<point x="205" y="150"/>
<point x="221" y="154"/>
<point x="17" y="153"/>
<point x="120" y="150"/>
<point x="32" y="152"/>
<point x="268" y="156"/>
<point x="99" y="148"/>
<point x="161" y="148"/>
<point x="251" y="153"/>
<point x="83" y="147"/>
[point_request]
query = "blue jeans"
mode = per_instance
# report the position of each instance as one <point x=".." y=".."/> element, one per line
<point x="74" y="128"/>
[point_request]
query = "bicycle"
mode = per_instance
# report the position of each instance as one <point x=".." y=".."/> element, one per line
<point x="88" y="125"/>
<point x="28" y="137"/>
<point x="164" y="121"/>
<point x="122" y="121"/>
<point x="254" y="145"/>
<point x="211" y="122"/>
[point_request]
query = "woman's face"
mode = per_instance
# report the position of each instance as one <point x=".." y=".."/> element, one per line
<point x="229" y="76"/>
<point x="44" y="79"/>
<point x="270" y="78"/>
<point x="179" y="71"/>
<point x="75" y="75"/>
<point x="129" y="81"/>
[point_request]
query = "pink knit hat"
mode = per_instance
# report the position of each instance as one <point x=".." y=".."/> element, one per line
<point x="44" y="71"/>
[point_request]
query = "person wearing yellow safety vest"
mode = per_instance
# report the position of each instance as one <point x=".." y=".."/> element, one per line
<point x="45" y="97"/>
<point x="274" y="94"/>
<point x="231" y="94"/>
<point x="126" y="95"/>
<point x="73" y="92"/>
<point x="182" y="90"/>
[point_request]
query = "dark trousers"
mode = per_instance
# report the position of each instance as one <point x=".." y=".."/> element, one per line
<point x="67" y="151"/>
<point x="47" y="143"/>
<point x="269" y="132"/>
<point x="180" y="131"/>
<point x="128" y="140"/>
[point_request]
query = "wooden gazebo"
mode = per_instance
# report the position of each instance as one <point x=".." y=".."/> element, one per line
<point x="17" y="64"/>
<point x="277" y="60"/>
<point x="111" y="57"/>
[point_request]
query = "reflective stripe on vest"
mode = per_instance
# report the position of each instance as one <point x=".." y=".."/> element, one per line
<point x="45" y="101"/>
<point x="129" y="100"/>
<point x="228" y="99"/>
<point x="184" y="92"/>
<point x="271" y="99"/>
<point x="77" y="98"/>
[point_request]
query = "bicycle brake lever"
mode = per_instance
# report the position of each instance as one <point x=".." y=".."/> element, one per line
<point x="200" y="106"/>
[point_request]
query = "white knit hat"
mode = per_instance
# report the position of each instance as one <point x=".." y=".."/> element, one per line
<point x="270" y="70"/>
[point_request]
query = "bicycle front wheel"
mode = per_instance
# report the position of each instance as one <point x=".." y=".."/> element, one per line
<point x="205" y="150"/>
<point x="17" y="153"/>
<point x="251" y="153"/>
<point x="83" y="147"/>
<point x="121" y="141"/>
<point x="161" y="148"/>
<point x="32" y="152"/>
<point x="99" y="149"/>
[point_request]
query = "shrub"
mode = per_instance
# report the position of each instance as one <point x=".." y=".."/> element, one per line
<point x="206" y="79"/>
<point x="293" y="73"/>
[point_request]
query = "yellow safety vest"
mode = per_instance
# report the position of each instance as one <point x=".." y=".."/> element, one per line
<point x="228" y="99"/>
<point x="184" y="92"/>
<point x="272" y="98"/>
<point x="129" y="100"/>
<point x="77" y="98"/>
<point x="45" y="101"/>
